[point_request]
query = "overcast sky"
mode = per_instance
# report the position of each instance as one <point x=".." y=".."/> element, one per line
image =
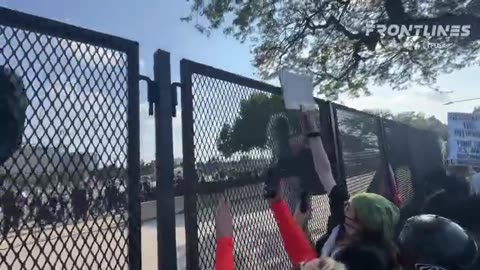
<point x="156" y="24"/>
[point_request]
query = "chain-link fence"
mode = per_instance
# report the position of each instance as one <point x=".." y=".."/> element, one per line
<point x="69" y="193"/>
<point x="369" y="144"/>
<point x="358" y="134"/>
<point x="231" y="136"/>
<point x="227" y="151"/>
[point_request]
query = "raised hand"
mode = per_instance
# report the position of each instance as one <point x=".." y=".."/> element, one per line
<point x="224" y="219"/>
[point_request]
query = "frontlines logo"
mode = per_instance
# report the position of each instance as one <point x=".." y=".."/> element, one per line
<point x="398" y="30"/>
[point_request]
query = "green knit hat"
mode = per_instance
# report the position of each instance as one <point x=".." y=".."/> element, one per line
<point x="376" y="213"/>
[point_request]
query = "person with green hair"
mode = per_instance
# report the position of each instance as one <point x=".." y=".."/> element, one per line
<point x="366" y="239"/>
<point x="363" y="237"/>
<point x="364" y="225"/>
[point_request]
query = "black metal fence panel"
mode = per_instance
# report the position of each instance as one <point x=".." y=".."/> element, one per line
<point x="425" y="158"/>
<point x="70" y="192"/>
<point x="397" y="147"/>
<point x="230" y="140"/>
<point x="359" y="142"/>
<point x="69" y="196"/>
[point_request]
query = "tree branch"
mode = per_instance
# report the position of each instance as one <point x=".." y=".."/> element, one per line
<point x="395" y="11"/>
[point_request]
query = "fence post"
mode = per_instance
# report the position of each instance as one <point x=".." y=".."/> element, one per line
<point x="190" y="176"/>
<point x="133" y="162"/>
<point x="384" y="158"/>
<point x="341" y="176"/>
<point x="166" y="239"/>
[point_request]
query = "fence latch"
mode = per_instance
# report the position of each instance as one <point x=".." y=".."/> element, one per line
<point x="152" y="93"/>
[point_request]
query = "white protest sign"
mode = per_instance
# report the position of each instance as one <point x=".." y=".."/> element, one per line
<point x="464" y="139"/>
<point x="297" y="90"/>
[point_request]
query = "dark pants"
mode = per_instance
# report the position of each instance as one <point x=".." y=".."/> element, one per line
<point x="11" y="220"/>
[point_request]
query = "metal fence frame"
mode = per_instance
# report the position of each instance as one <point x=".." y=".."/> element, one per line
<point x="43" y="26"/>
<point x="192" y="187"/>
<point x="162" y="94"/>
<point x="330" y="132"/>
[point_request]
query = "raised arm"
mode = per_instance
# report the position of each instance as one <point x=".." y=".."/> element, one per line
<point x="224" y="226"/>
<point x="338" y="194"/>
<point x="295" y="242"/>
<point x="320" y="157"/>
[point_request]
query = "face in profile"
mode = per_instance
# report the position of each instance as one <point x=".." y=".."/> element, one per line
<point x="352" y="224"/>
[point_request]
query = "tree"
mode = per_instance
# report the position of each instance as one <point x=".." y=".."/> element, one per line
<point x="476" y="109"/>
<point x="249" y="127"/>
<point x="329" y="39"/>
<point x="359" y="133"/>
<point x="415" y="119"/>
<point x="421" y="121"/>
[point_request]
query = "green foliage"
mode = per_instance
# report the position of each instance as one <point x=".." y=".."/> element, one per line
<point x="421" y="121"/>
<point x="249" y="128"/>
<point x="417" y="120"/>
<point x="327" y="37"/>
<point x="359" y="132"/>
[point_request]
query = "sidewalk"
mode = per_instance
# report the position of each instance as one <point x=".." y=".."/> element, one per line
<point x="149" y="244"/>
<point x="90" y="248"/>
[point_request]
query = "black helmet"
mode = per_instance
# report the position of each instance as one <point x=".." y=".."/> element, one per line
<point x="434" y="242"/>
<point x="13" y="105"/>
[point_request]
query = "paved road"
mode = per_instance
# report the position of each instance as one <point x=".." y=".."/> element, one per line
<point x="149" y="244"/>
<point x="89" y="248"/>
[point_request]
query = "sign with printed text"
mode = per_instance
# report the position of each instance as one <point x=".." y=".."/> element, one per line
<point x="464" y="139"/>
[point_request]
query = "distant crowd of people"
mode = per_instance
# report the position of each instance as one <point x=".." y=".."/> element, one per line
<point x="43" y="207"/>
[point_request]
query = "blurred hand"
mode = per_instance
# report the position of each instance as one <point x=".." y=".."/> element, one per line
<point x="309" y="122"/>
<point x="324" y="263"/>
<point x="224" y="219"/>
<point x="327" y="263"/>
<point x="280" y="195"/>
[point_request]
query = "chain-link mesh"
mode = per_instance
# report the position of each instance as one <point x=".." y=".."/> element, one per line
<point x="396" y="140"/>
<point x="361" y="154"/>
<point x="426" y="154"/>
<point x="258" y="244"/>
<point x="236" y="138"/>
<point x="63" y="200"/>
